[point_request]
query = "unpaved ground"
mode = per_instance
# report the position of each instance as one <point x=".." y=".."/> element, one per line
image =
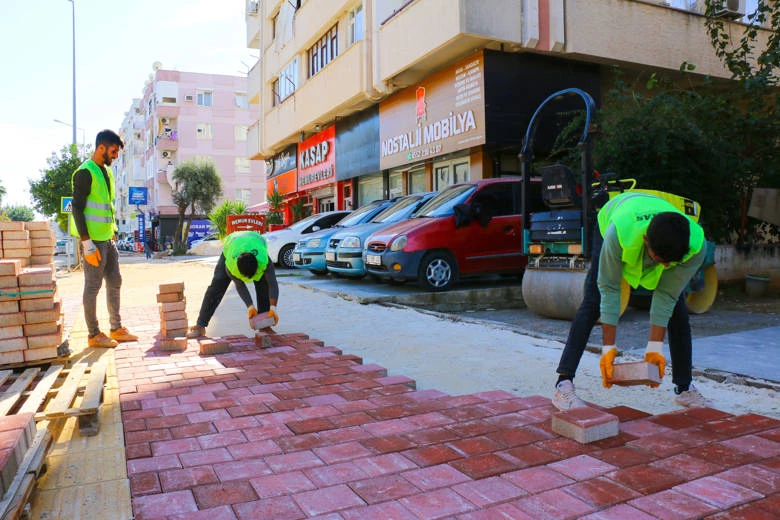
<point x="450" y="356"/>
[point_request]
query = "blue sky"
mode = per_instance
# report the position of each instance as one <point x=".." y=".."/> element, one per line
<point x="117" y="41"/>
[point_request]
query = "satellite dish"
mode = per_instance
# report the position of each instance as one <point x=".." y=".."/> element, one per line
<point x="156" y="66"/>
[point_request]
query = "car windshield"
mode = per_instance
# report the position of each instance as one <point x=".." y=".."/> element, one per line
<point x="305" y="222"/>
<point x="398" y="211"/>
<point x="357" y="216"/>
<point x="441" y="205"/>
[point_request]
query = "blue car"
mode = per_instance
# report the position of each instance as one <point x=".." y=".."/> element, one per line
<point x="310" y="251"/>
<point x="344" y="253"/>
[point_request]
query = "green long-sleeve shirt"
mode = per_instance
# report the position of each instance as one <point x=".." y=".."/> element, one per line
<point x="670" y="286"/>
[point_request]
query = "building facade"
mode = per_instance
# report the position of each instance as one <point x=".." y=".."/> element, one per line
<point x="128" y="169"/>
<point x="182" y="116"/>
<point x="366" y="99"/>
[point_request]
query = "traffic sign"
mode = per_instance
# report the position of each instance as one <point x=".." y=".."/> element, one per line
<point x="66" y="204"/>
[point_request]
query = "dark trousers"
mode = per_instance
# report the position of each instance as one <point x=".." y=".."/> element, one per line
<point x="93" y="281"/>
<point x="217" y="289"/>
<point x="679" y="328"/>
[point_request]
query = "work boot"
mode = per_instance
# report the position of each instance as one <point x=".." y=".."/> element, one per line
<point x="100" y="340"/>
<point x="690" y="398"/>
<point x="122" y="334"/>
<point x="196" y="331"/>
<point x="565" y="398"/>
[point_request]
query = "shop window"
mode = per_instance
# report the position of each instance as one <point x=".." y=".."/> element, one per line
<point x="395" y="184"/>
<point x="370" y="187"/>
<point x="417" y="181"/>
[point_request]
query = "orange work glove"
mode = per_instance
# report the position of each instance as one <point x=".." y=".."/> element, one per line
<point x="251" y="312"/>
<point x="608" y="353"/>
<point x="272" y="314"/>
<point x="654" y="354"/>
<point x="91" y="252"/>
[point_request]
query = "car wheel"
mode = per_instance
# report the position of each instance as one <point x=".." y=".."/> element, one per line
<point x="437" y="271"/>
<point x="286" y="256"/>
<point x="319" y="272"/>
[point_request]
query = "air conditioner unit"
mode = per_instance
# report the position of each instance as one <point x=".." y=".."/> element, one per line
<point x="165" y="120"/>
<point x="187" y="98"/>
<point x="252" y="7"/>
<point x="731" y="9"/>
<point x="166" y="154"/>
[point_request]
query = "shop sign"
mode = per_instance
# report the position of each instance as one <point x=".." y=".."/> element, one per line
<point x="317" y="159"/>
<point x="281" y="162"/>
<point x="248" y="222"/>
<point x="442" y="114"/>
<point x="285" y="183"/>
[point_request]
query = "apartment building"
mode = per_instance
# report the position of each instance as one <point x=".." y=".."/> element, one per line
<point x="363" y="99"/>
<point x="181" y="116"/>
<point x="128" y="169"/>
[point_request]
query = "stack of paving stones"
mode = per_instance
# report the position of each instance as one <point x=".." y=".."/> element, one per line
<point x="17" y="433"/>
<point x="173" y="316"/>
<point x="301" y="430"/>
<point x="30" y="318"/>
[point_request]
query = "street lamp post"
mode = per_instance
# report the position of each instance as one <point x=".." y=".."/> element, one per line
<point x="73" y="12"/>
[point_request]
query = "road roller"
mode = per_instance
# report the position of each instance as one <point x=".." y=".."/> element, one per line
<point x="558" y="242"/>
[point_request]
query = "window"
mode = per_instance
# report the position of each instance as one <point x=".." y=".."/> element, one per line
<point x="355" y="22"/>
<point x="241" y="100"/>
<point x="204" y="98"/>
<point x="244" y="195"/>
<point x="169" y="99"/>
<point x="204" y="131"/>
<point x="274" y="25"/>
<point x="242" y="165"/>
<point x="241" y="132"/>
<point x="324" y="51"/>
<point x="287" y="82"/>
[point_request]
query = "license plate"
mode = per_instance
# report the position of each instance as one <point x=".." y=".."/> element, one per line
<point x="330" y="256"/>
<point x="373" y="259"/>
<point x="296" y="257"/>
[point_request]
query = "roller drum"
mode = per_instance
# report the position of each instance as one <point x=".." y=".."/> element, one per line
<point x="553" y="293"/>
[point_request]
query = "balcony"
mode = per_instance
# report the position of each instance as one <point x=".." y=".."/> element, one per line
<point x="253" y="144"/>
<point x="457" y="32"/>
<point x="254" y="24"/>
<point x="255" y="83"/>
<point x="335" y="90"/>
<point x="167" y="140"/>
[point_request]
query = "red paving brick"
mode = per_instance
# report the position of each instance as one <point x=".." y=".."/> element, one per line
<point x="300" y="430"/>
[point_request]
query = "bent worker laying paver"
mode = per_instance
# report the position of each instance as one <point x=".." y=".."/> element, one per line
<point x="649" y="242"/>
<point x="244" y="259"/>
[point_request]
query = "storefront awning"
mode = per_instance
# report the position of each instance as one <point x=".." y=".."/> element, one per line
<point x="263" y="207"/>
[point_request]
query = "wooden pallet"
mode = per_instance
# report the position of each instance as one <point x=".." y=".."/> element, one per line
<point x="55" y="394"/>
<point x="12" y="505"/>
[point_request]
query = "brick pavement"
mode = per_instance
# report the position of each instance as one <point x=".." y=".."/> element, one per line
<point x="301" y="430"/>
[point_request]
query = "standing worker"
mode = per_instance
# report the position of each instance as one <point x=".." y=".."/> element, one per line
<point x="244" y="260"/>
<point x="649" y="242"/>
<point x="93" y="221"/>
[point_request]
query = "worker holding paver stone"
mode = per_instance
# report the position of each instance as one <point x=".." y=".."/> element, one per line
<point x="649" y="242"/>
<point x="244" y="260"/>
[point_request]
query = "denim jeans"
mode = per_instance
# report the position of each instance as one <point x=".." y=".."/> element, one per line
<point x="217" y="289"/>
<point x="93" y="281"/>
<point x="679" y="329"/>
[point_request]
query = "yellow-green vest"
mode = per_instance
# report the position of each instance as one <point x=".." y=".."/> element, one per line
<point x="99" y="211"/>
<point x="245" y="242"/>
<point x="631" y="213"/>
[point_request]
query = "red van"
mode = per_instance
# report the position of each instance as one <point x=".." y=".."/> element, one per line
<point x="467" y="229"/>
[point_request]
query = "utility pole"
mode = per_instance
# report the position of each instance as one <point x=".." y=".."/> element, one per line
<point x="73" y="12"/>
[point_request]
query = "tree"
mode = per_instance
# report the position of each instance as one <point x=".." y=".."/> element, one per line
<point x="19" y="213"/>
<point x="55" y="182"/>
<point x="2" y="191"/>
<point x="219" y="215"/>
<point x="276" y="204"/>
<point x="197" y="185"/>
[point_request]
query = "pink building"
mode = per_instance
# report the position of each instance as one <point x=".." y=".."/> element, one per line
<point x="192" y="115"/>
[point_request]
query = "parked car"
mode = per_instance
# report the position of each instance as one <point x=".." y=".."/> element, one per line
<point x="207" y="238"/>
<point x="344" y="253"/>
<point x="61" y="247"/>
<point x="467" y="229"/>
<point x="310" y="251"/>
<point x="282" y="242"/>
<point x="126" y="244"/>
